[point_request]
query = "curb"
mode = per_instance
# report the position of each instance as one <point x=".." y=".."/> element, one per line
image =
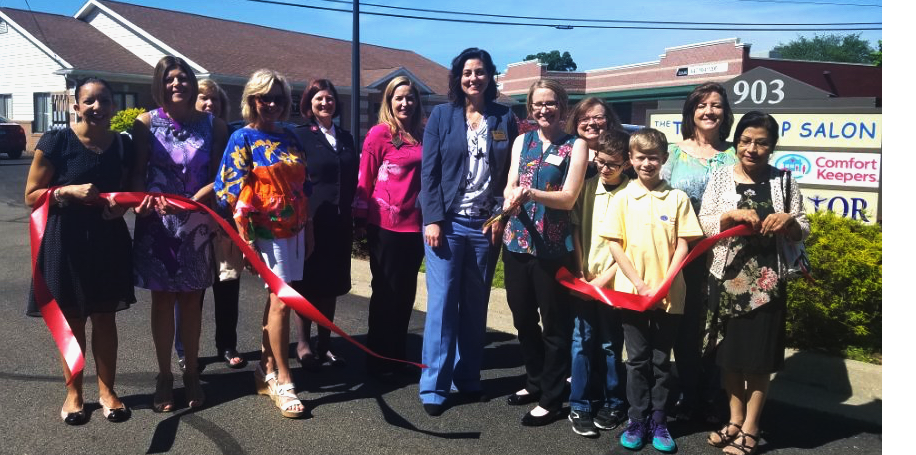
<point x="810" y="380"/>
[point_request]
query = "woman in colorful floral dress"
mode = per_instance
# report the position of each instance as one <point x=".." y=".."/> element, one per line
<point x="546" y="175"/>
<point x="751" y="314"/>
<point x="178" y="149"/>
<point x="263" y="181"/>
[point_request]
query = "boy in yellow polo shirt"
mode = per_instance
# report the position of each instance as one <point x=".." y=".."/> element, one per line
<point x="649" y="228"/>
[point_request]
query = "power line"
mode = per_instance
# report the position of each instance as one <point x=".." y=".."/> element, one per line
<point x="737" y="26"/>
<point x="795" y="2"/>
<point x="617" y="21"/>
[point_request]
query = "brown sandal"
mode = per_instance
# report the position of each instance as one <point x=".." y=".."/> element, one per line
<point x="742" y="446"/>
<point x="724" y="438"/>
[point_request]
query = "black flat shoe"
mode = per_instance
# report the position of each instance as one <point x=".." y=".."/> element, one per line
<point x="309" y="363"/>
<point x="230" y="354"/>
<point x="74" y="418"/>
<point x="115" y="415"/>
<point x="519" y="400"/>
<point x="538" y="421"/>
<point x="434" y="410"/>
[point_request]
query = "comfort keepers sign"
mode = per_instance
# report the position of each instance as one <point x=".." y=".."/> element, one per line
<point x="846" y="169"/>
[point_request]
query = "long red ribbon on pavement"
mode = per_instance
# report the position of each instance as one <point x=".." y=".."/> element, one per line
<point x="61" y="331"/>
<point x="638" y="302"/>
<point x="50" y="311"/>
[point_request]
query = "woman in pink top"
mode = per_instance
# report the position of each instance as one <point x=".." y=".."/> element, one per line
<point x="385" y="210"/>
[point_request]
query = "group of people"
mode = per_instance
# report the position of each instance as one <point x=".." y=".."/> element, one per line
<point x="461" y="189"/>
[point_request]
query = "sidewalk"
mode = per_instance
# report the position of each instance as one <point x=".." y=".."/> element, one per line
<point x="810" y="380"/>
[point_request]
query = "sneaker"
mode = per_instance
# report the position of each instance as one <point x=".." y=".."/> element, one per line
<point x="634" y="437"/>
<point x="582" y="424"/>
<point x="661" y="438"/>
<point x="608" y="419"/>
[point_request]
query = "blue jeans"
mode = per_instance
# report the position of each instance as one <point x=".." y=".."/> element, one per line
<point x="596" y="323"/>
<point x="458" y="277"/>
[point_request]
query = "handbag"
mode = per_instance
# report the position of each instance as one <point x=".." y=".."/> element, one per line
<point x="793" y="253"/>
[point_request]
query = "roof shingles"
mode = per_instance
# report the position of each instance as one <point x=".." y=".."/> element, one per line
<point x="232" y="48"/>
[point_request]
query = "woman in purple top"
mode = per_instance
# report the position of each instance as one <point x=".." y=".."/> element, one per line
<point x="386" y="209"/>
<point x="173" y="255"/>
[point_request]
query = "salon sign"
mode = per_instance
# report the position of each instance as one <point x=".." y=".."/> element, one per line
<point x="831" y="145"/>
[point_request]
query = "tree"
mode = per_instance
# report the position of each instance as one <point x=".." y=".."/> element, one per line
<point x="554" y="61"/>
<point x="876" y="57"/>
<point x="827" y="48"/>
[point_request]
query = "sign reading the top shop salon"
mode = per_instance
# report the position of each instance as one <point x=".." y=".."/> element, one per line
<point x="831" y="145"/>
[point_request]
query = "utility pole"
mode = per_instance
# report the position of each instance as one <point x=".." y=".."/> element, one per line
<point x="354" y="79"/>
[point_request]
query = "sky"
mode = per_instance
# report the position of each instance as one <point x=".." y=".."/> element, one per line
<point x="590" y="48"/>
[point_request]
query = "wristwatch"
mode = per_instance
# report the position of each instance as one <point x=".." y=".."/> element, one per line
<point x="61" y="202"/>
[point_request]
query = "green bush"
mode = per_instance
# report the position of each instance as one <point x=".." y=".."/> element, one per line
<point x="841" y="312"/>
<point x="124" y="120"/>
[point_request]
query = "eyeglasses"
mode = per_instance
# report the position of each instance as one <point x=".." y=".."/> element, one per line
<point x="607" y="164"/>
<point x="596" y="118"/>
<point x="267" y="99"/>
<point x="549" y="105"/>
<point x="746" y="142"/>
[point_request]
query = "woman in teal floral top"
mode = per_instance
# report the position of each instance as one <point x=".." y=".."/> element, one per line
<point x="547" y="171"/>
<point x="750" y="274"/>
<point x="706" y="122"/>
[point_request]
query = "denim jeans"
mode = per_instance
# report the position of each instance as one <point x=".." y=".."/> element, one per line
<point x="596" y="324"/>
<point x="459" y="273"/>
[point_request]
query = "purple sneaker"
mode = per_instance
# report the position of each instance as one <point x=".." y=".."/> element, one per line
<point x="634" y="436"/>
<point x="661" y="438"/>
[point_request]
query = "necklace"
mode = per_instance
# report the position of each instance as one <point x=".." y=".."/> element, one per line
<point x="175" y="128"/>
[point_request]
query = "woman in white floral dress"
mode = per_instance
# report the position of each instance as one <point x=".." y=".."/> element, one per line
<point x="751" y="316"/>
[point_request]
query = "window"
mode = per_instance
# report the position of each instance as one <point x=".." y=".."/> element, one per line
<point x="42" y="122"/>
<point x="6" y="106"/>
<point x="124" y="100"/>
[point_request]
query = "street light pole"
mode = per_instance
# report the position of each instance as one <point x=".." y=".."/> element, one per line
<point x="354" y="79"/>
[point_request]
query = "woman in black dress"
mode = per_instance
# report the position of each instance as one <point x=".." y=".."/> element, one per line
<point x="749" y="324"/>
<point x="85" y="256"/>
<point x="332" y="165"/>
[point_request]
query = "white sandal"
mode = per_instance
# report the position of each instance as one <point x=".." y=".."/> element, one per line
<point x="287" y="392"/>
<point x="262" y="381"/>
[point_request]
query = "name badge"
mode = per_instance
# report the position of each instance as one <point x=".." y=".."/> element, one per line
<point x="555" y="160"/>
<point x="499" y="135"/>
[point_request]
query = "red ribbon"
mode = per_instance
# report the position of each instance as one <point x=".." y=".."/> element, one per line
<point x="50" y="311"/>
<point x="638" y="302"/>
<point x="61" y="331"/>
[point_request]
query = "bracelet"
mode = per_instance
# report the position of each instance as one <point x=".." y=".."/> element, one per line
<point x="61" y="202"/>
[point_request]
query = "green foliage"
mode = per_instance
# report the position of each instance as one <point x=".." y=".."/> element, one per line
<point x="841" y="312"/>
<point x="828" y="48"/>
<point x="876" y="56"/>
<point x="554" y="61"/>
<point x="124" y="120"/>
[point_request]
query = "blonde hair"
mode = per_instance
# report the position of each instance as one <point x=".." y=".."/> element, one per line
<point x="211" y="88"/>
<point x="260" y="83"/>
<point x="647" y="140"/>
<point x="556" y="88"/>
<point x="386" y="113"/>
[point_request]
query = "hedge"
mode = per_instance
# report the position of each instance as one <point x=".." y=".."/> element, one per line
<point x="841" y="312"/>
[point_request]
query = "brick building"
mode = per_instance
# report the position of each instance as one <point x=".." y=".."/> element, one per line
<point x="636" y="88"/>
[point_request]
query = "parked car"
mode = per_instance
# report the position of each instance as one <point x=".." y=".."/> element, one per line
<point x="12" y="138"/>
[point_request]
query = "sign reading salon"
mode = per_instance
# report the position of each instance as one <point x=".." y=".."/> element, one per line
<point x="831" y="145"/>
